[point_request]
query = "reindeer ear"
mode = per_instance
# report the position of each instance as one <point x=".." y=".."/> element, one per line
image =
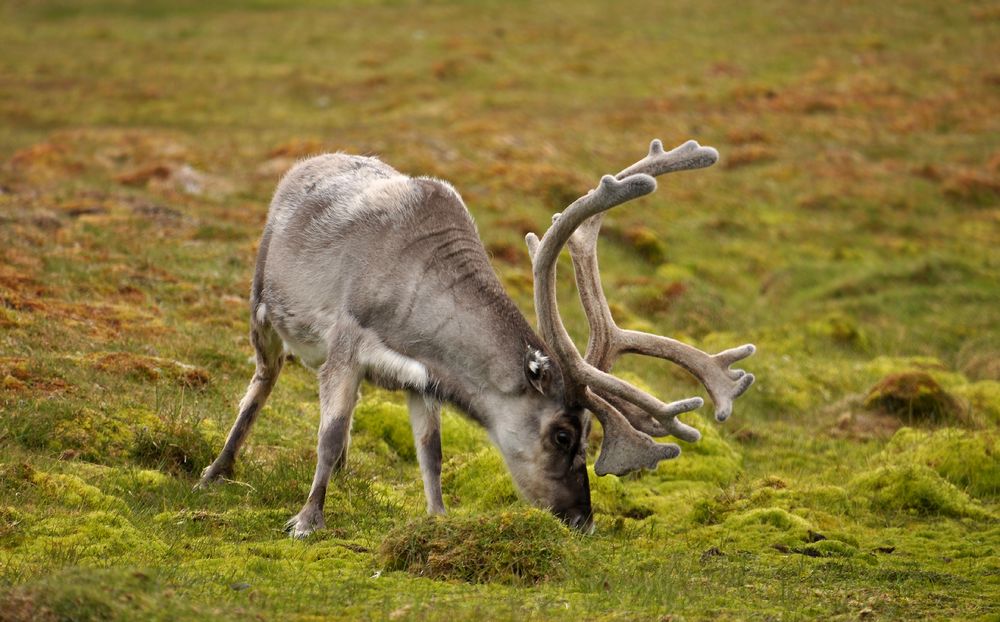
<point x="538" y="370"/>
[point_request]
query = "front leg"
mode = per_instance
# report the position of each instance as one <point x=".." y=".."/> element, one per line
<point x="425" y="419"/>
<point x="338" y="394"/>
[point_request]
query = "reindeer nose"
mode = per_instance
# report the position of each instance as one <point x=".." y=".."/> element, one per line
<point x="581" y="519"/>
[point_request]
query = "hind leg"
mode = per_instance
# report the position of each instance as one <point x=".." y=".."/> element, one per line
<point x="338" y="394"/>
<point x="269" y="354"/>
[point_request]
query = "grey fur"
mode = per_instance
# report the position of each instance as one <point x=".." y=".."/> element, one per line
<point x="365" y="272"/>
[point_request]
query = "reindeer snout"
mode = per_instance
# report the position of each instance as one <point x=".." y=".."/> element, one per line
<point x="579" y="518"/>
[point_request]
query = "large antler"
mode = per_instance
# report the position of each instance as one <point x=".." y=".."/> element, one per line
<point x="630" y="417"/>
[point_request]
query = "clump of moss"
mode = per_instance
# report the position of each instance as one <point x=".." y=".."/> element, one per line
<point x="984" y="400"/>
<point x="86" y="594"/>
<point x="914" y="397"/>
<point x="68" y="490"/>
<point x="967" y="459"/>
<point x="520" y="547"/>
<point x="766" y="527"/>
<point x="770" y="517"/>
<point x="710" y="459"/>
<point x="914" y="489"/>
<point x="610" y="496"/>
<point x="479" y="481"/>
<point x="97" y="536"/>
<point x="174" y="441"/>
<point x="94" y="435"/>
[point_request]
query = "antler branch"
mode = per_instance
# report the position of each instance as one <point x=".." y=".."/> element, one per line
<point x="608" y="341"/>
<point x="630" y="417"/>
<point x="625" y="448"/>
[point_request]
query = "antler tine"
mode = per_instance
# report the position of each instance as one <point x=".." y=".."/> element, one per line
<point x="686" y="157"/>
<point x="608" y="341"/>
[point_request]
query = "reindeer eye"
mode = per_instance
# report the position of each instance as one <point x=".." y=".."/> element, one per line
<point x="562" y="439"/>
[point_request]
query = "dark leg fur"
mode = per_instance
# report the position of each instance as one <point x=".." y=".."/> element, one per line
<point x="338" y="394"/>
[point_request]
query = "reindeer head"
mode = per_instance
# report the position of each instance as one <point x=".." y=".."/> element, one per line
<point x="543" y="439"/>
<point x="629" y="416"/>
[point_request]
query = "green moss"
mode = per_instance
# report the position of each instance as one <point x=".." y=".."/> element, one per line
<point x="232" y="524"/>
<point x="984" y="400"/>
<point x="519" y="547"/>
<point x="382" y="424"/>
<point x="92" y="595"/>
<point x="828" y="498"/>
<point x="176" y="442"/>
<point x="610" y="496"/>
<point x="711" y="459"/>
<point x="968" y="459"/>
<point x="478" y="481"/>
<point x="93" y="537"/>
<point x="776" y="518"/>
<point x="762" y="528"/>
<point x="386" y="422"/>
<point x="461" y="435"/>
<point x="914" y="489"/>
<point x="828" y="548"/>
<point x="90" y="434"/>
<point x="66" y="490"/>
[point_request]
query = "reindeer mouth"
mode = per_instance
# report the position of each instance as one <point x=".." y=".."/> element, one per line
<point x="580" y="519"/>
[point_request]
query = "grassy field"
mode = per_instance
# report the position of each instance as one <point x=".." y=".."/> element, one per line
<point x="850" y="231"/>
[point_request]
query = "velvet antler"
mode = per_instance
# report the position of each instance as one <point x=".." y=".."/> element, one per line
<point x="630" y="417"/>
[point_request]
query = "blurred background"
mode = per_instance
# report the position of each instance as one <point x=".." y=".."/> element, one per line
<point x="849" y="230"/>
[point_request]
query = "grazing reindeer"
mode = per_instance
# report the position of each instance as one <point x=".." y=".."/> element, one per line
<point x="365" y="273"/>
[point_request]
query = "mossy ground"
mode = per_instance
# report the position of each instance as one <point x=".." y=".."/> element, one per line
<point x="850" y="231"/>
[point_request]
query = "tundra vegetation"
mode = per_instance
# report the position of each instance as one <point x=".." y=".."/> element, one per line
<point x="850" y="231"/>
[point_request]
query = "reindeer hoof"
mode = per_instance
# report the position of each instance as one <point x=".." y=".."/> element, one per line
<point x="305" y="522"/>
<point x="213" y="474"/>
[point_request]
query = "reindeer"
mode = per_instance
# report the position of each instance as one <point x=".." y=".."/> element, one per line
<point x="364" y="273"/>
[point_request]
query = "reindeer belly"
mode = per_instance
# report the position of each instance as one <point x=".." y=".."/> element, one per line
<point x="311" y="352"/>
